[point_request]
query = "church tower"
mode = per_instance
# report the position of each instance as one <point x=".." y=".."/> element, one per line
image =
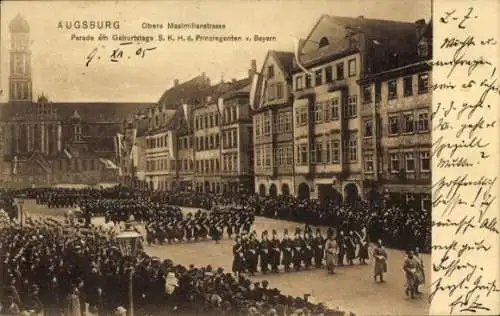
<point x="20" y="86"/>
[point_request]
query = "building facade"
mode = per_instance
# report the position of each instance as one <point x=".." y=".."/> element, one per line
<point x="396" y="119"/>
<point x="273" y="127"/>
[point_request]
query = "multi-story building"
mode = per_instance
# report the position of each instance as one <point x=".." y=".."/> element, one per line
<point x="185" y="149"/>
<point x="327" y="126"/>
<point x="273" y="126"/>
<point x="236" y="137"/>
<point x="396" y="134"/>
<point x="48" y="143"/>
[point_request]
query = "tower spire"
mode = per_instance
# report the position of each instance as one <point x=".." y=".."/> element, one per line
<point x="20" y="85"/>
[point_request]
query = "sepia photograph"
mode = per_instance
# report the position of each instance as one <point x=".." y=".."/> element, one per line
<point x="216" y="157"/>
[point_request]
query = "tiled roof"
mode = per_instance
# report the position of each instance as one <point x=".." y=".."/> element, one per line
<point x="88" y="111"/>
<point x="186" y="92"/>
<point x="285" y="59"/>
<point x="383" y="36"/>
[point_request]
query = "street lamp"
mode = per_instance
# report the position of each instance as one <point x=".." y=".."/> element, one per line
<point x="129" y="242"/>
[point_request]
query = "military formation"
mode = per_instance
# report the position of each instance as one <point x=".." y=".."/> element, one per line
<point x="303" y="250"/>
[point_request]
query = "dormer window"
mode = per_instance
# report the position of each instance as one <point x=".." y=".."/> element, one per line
<point x="323" y="42"/>
<point x="423" y="48"/>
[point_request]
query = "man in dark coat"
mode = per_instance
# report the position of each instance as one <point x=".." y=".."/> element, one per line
<point x="265" y="247"/>
<point x="275" y="247"/>
<point x="286" y="248"/>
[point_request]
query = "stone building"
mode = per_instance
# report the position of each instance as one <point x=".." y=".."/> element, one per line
<point x="327" y="124"/>
<point x="396" y="119"/>
<point x="49" y="143"/>
<point x="273" y="127"/>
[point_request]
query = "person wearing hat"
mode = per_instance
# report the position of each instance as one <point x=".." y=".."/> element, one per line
<point x="380" y="256"/>
<point x="265" y="253"/>
<point x="410" y="267"/>
<point x="238" y="257"/>
<point x="298" y="250"/>
<point x="317" y="245"/>
<point x="331" y="253"/>
<point x="252" y="255"/>
<point x="286" y="247"/>
<point x="275" y="252"/>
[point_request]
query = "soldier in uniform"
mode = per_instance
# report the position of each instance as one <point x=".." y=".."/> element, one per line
<point x="298" y="250"/>
<point x="350" y="243"/>
<point x="308" y="250"/>
<point x="252" y="254"/>
<point x="275" y="248"/>
<point x="286" y="247"/>
<point x="239" y="257"/>
<point x="317" y="245"/>
<point x="265" y="246"/>
<point x="342" y="246"/>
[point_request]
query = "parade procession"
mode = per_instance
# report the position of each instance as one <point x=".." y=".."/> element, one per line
<point x="301" y="188"/>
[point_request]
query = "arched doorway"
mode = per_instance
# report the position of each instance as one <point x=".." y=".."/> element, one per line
<point x="285" y="189"/>
<point x="328" y="194"/>
<point x="303" y="191"/>
<point x="273" y="191"/>
<point x="262" y="189"/>
<point x="351" y="193"/>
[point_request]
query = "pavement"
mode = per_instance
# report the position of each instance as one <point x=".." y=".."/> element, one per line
<point x="352" y="288"/>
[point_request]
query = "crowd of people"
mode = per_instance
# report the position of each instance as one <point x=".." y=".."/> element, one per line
<point x="45" y="268"/>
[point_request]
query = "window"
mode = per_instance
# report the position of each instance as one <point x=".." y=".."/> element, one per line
<point x="368" y="128"/>
<point x="267" y="123"/>
<point x="258" y="158"/>
<point x="216" y="119"/>
<point x="425" y="161"/>
<point x="423" y="83"/>
<point x="335" y="151"/>
<point x="299" y="84"/>
<point x="394" y="163"/>
<point x="352" y="148"/>
<point x="423" y="122"/>
<point x="235" y="138"/>
<point x="367" y="94"/>
<point x="328" y="74"/>
<point x="279" y="90"/>
<point x="257" y="125"/>
<point x="211" y="120"/>
<point x="308" y="81"/>
<point x="408" y="123"/>
<point x="318" y="77"/>
<point x="410" y="162"/>
<point x="206" y="121"/>
<point x="378" y="91"/>
<point x="318" y="112"/>
<point x="267" y="156"/>
<point x="303" y="154"/>
<point x="392" y="87"/>
<point x="408" y="86"/>
<point x="323" y="42"/>
<point x="270" y="92"/>
<point x="351" y="106"/>
<point x="288" y="121"/>
<point x="369" y="163"/>
<point x="319" y="153"/>
<point x="393" y="125"/>
<point x="335" y="108"/>
<point x="340" y="71"/>
<point x="289" y="156"/>
<point x="352" y="67"/>
<point x="270" y="71"/>
<point x="301" y="116"/>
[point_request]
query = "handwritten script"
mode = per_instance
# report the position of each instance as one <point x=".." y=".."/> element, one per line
<point x="121" y="52"/>
<point x="466" y="91"/>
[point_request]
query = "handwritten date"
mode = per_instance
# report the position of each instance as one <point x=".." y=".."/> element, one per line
<point x="126" y="50"/>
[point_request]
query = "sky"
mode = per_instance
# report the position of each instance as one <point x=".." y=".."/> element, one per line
<point x="58" y="63"/>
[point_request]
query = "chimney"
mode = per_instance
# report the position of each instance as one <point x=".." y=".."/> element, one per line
<point x="419" y="27"/>
<point x="361" y="17"/>
<point x="253" y="68"/>
<point x="176" y="82"/>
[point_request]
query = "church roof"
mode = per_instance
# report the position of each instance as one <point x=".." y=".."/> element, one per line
<point x="19" y="25"/>
<point x="88" y="111"/>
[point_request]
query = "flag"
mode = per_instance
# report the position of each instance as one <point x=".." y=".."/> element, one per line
<point x="129" y="141"/>
<point x="254" y="89"/>
<point x="220" y="105"/>
<point x="297" y="59"/>
<point x="171" y="144"/>
<point x="68" y="154"/>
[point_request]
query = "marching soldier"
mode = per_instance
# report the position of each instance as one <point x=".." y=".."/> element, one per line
<point x="275" y="255"/>
<point x="318" y="250"/>
<point x="286" y="247"/>
<point x="265" y="247"/>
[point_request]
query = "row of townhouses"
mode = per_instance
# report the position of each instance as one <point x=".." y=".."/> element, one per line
<point x="346" y="115"/>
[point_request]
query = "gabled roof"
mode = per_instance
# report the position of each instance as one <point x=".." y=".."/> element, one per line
<point x="283" y="59"/>
<point x="237" y="87"/>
